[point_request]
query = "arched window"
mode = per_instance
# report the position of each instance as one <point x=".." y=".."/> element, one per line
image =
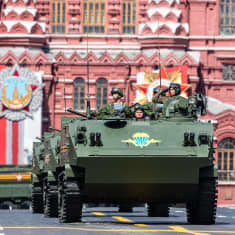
<point x="79" y="94"/>
<point x="101" y="92"/>
<point x="58" y="16"/>
<point x="226" y="154"/>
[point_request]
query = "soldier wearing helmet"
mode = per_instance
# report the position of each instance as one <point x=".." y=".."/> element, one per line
<point x="139" y="112"/>
<point x="174" y="89"/>
<point x="175" y="104"/>
<point x="115" y="108"/>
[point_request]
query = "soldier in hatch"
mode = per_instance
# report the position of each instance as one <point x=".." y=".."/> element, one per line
<point x="115" y="108"/>
<point x="139" y="112"/>
<point x="175" y="103"/>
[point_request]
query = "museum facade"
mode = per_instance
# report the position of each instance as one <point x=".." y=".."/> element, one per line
<point x="93" y="45"/>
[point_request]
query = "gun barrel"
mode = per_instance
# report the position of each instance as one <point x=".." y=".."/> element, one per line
<point x="55" y="129"/>
<point x="76" y="112"/>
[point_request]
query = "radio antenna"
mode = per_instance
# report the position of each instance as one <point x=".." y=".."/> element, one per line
<point x="64" y="96"/>
<point x="159" y="55"/>
<point x="88" y="110"/>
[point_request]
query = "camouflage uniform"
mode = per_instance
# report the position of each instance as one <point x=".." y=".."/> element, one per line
<point x="158" y="100"/>
<point x="148" y="110"/>
<point x="108" y="111"/>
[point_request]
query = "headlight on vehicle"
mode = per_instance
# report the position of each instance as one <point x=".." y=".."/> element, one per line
<point x="203" y="139"/>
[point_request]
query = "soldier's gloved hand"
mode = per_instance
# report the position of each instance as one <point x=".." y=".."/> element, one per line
<point x="115" y="114"/>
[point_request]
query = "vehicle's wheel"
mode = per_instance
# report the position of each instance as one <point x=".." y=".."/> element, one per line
<point x="45" y="194"/>
<point x="69" y="202"/>
<point x="51" y="204"/>
<point x="124" y="207"/>
<point x="37" y="199"/>
<point x="203" y="209"/>
<point x="158" y="210"/>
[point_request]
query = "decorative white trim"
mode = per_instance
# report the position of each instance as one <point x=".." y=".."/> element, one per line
<point x="219" y="80"/>
<point x="91" y="81"/>
<point x="19" y="10"/>
<point x="120" y="47"/>
<point x="226" y="182"/>
<point x="25" y="1"/>
<point x="228" y="48"/>
<point x="22" y="35"/>
<point x="67" y="97"/>
<point x="132" y="53"/>
<point x="225" y="56"/>
<point x="116" y="81"/>
<point x="169" y="1"/>
<point x="27" y="24"/>
<point x="154" y="26"/>
<point x="64" y="80"/>
<point x="194" y="77"/>
<point x="163" y="11"/>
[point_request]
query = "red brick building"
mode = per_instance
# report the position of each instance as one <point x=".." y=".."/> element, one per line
<point x="121" y="38"/>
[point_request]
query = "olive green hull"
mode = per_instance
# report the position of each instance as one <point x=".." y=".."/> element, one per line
<point x="15" y="191"/>
<point x="15" y="182"/>
<point x="141" y="179"/>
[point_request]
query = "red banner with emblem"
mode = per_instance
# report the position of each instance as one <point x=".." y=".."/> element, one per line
<point x="11" y="140"/>
<point x="147" y="81"/>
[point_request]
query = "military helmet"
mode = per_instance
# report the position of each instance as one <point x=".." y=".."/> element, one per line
<point x="139" y="107"/>
<point x="176" y="87"/>
<point x="117" y="90"/>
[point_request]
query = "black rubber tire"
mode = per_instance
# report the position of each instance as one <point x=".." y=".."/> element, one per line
<point x="51" y="204"/>
<point x="124" y="207"/>
<point x="45" y="194"/>
<point x="37" y="200"/>
<point x="69" y="202"/>
<point x="203" y="209"/>
<point x="158" y="210"/>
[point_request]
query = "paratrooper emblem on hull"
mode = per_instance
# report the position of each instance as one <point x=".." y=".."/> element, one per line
<point x="141" y="139"/>
<point x="20" y="93"/>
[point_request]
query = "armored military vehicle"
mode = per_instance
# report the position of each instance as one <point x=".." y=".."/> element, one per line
<point x="158" y="162"/>
<point x="44" y="198"/>
<point x="37" y="176"/>
<point x="46" y="155"/>
<point x="50" y="192"/>
<point x="15" y="186"/>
